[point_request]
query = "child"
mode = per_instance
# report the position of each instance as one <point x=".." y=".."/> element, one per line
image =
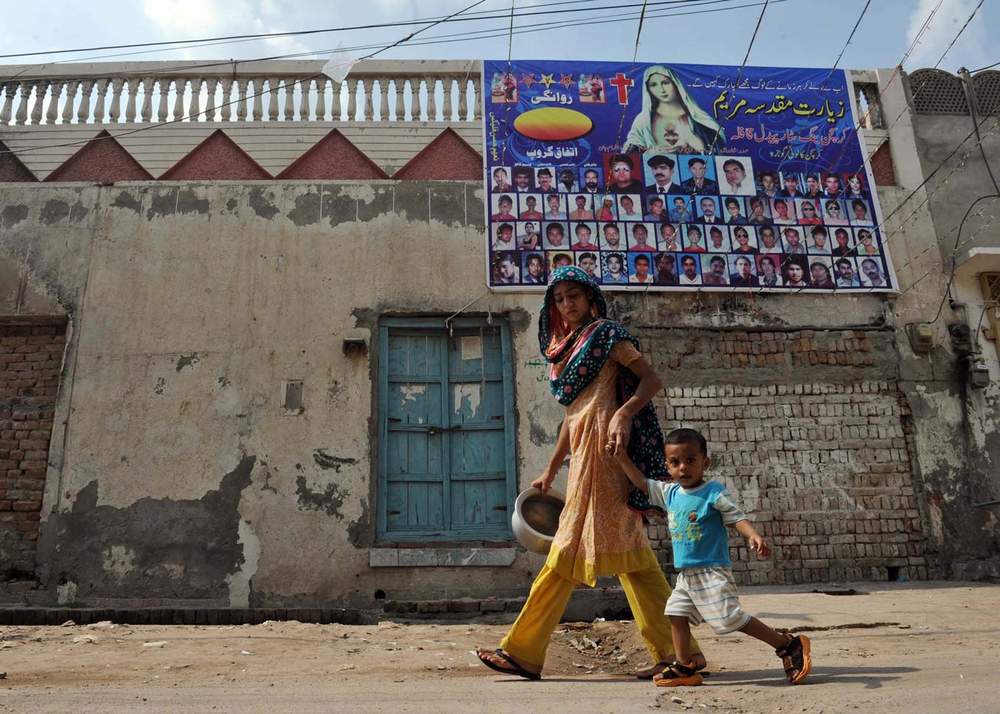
<point x="698" y="512"/>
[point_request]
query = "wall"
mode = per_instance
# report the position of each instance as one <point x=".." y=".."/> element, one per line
<point x="174" y="472"/>
<point x="175" y="475"/>
<point x="956" y="425"/>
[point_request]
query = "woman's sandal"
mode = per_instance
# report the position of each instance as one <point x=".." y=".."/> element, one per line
<point x="655" y="669"/>
<point x="515" y="668"/>
<point x="796" y="659"/>
<point x="678" y="675"/>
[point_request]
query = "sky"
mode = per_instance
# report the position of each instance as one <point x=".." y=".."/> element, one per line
<point x="794" y="33"/>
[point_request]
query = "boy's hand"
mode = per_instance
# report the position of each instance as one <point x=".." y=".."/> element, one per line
<point x="758" y="545"/>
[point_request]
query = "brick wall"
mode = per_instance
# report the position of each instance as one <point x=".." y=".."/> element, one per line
<point x="811" y="440"/>
<point x="30" y="362"/>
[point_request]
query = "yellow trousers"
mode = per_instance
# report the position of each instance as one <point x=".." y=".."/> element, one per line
<point x="647" y="592"/>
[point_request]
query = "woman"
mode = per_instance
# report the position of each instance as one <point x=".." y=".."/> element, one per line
<point x="670" y="118"/>
<point x="593" y="360"/>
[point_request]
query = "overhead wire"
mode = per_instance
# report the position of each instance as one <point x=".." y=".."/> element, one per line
<point x="739" y="74"/>
<point x="850" y="37"/>
<point x="896" y="73"/>
<point x="327" y="30"/>
<point x="536" y="28"/>
<point x="434" y="39"/>
<point x="251" y="96"/>
<point x="923" y="84"/>
<point x="989" y="66"/>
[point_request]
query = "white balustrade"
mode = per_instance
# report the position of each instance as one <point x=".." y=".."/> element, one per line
<point x="281" y="90"/>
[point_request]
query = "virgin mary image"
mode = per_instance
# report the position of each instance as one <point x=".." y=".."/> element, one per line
<point x="671" y="119"/>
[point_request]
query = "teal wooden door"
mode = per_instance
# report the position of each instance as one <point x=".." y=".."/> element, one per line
<point x="446" y="468"/>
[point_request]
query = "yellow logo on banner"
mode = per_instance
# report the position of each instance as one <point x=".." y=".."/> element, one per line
<point x="553" y="124"/>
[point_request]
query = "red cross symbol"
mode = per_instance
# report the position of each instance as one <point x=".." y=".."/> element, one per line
<point x="622" y="84"/>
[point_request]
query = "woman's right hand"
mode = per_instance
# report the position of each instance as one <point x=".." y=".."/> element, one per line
<point x="544" y="482"/>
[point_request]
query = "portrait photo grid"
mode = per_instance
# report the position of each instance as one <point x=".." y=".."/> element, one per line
<point x="677" y="215"/>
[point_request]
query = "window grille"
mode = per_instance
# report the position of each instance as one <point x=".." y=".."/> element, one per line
<point x="987" y="87"/>
<point x="934" y="91"/>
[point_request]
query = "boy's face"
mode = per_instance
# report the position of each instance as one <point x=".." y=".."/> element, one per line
<point x="686" y="464"/>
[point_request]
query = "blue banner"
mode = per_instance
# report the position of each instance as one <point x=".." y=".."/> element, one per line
<point x="678" y="177"/>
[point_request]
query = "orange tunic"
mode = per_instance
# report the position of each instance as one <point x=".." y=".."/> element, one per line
<point x="598" y="533"/>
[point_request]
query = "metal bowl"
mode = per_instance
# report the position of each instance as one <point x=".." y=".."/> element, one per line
<point x="536" y="518"/>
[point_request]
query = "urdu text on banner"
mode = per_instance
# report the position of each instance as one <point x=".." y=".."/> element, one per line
<point x="672" y="177"/>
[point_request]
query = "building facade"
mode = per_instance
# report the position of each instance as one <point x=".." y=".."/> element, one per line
<point x="250" y="359"/>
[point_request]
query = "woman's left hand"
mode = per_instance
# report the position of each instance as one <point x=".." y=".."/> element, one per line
<point x="619" y="429"/>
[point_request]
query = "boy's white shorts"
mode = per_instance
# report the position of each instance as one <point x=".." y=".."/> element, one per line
<point x="708" y="595"/>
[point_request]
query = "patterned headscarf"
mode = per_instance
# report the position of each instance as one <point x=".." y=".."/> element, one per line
<point x="552" y="330"/>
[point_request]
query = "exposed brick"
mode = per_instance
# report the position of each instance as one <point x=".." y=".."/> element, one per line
<point x="30" y="361"/>
<point x="813" y="444"/>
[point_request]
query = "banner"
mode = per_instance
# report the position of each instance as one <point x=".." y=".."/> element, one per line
<point x="677" y="177"/>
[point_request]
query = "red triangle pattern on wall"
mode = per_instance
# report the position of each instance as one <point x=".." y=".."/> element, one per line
<point x="217" y="158"/>
<point x="333" y="157"/>
<point x="448" y="158"/>
<point x="101" y="160"/>
<point x="11" y="168"/>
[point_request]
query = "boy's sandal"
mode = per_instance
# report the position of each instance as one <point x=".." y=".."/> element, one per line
<point x="653" y="670"/>
<point x="515" y="668"/>
<point x="678" y="675"/>
<point x="796" y="659"/>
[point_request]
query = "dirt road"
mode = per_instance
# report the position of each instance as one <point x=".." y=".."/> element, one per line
<point x="925" y="648"/>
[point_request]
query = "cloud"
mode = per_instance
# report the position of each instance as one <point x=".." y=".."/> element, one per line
<point x="176" y="18"/>
<point x="943" y="28"/>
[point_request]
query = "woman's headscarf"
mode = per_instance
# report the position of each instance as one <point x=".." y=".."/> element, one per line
<point x="552" y="329"/>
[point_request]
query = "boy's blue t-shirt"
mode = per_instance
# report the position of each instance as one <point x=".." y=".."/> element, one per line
<point x="697" y="519"/>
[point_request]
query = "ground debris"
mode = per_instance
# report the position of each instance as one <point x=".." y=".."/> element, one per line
<point x="845" y="626"/>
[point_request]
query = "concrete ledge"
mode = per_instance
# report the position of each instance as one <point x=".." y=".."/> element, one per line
<point x="441" y="557"/>
<point x="584" y="605"/>
<point x="184" y="616"/>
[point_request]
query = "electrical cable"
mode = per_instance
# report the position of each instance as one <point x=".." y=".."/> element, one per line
<point x="970" y="100"/>
<point x="923" y="84"/>
<point x="989" y="66"/>
<point x="444" y="39"/>
<point x="635" y="56"/>
<point x="326" y="30"/>
<point x="739" y="74"/>
<point x="411" y="44"/>
<point x="251" y="96"/>
<point x="975" y="131"/>
<point x="960" y="31"/>
<point x="954" y="252"/>
<point x="850" y="37"/>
